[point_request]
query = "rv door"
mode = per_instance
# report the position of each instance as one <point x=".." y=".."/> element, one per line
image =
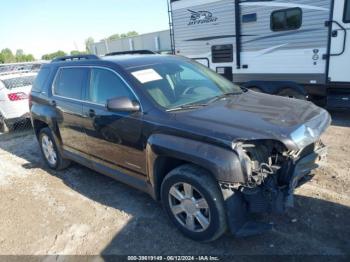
<point x="339" y="59"/>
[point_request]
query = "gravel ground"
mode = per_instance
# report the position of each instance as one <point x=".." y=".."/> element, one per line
<point x="78" y="211"/>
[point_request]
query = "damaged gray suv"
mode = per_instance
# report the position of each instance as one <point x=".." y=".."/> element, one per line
<point x="211" y="152"/>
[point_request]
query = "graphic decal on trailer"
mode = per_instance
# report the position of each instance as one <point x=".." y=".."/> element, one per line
<point x="201" y="17"/>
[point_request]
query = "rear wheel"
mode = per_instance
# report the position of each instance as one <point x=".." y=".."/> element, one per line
<point x="194" y="203"/>
<point x="292" y="94"/>
<point x="49" y="149"/>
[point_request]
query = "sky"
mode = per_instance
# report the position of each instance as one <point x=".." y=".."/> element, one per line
<point x="45" y="26"/>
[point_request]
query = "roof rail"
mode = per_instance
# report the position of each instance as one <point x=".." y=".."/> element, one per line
<point x="134" y="52"/>
<point x="75" y="57"/>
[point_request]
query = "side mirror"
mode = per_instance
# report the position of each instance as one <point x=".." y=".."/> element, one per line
<point x="123" y="104"/>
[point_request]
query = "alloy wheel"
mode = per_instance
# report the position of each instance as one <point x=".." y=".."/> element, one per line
<point x="189" y="207"/>
<point x="49" y="150"/>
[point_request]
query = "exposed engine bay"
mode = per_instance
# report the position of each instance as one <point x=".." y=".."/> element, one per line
<point x="273" y="172"/>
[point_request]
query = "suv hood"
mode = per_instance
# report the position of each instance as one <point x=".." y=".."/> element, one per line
<point x="256" y="116"/>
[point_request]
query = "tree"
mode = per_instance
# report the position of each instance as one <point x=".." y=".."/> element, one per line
<point x="132" y="33"/>
<point x="114" y="37"/>
<point x="19" y="52"/>
<point x="123" y="35"/>
<point x="88" y="43"/>
<point x="77" y="52"/>
<point x="29" y="58"/>
<point x="7" y="56"/>
<point x="22" y="57"/>
<point x="53" y="55"/>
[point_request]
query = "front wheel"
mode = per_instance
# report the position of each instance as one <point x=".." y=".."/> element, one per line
<point x="194" y="203"/>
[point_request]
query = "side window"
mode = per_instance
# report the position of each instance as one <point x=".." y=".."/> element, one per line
<point x="248" y="18"/>
<point x="104" y="85"/>
<point x="346" y="18"/>
<point x="286" y="19"/>
<point x="40" y="80"/>
<point x="70" y="82"/>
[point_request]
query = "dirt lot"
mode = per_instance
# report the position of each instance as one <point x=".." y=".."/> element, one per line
<point x="78" y="211"/>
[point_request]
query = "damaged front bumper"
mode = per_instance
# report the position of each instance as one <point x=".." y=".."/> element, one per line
<point x="274" y="198"/>
<point x="271" y="196"/>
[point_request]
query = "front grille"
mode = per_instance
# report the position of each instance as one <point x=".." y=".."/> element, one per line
<point x="222" y="53"/>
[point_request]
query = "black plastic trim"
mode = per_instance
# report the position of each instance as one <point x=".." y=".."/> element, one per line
<point x="346" y="19"/>
<point x="238" y="33"/>
<point x="329" y="46"/>
<point x="75" y="57"/>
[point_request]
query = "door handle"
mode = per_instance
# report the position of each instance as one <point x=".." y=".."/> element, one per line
<point x="342" y="28"/>
<point x="92" y="113"/>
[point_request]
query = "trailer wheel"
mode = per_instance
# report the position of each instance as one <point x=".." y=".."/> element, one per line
<point x="292" y="94"/>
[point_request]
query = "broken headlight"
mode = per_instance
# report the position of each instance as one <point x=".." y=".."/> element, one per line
<point x="311" y="131"/>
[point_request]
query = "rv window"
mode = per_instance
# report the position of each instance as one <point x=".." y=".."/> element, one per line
<point x="286" y="19"/>
<point x="249" y="18"/>
<point x="347" y="12"/>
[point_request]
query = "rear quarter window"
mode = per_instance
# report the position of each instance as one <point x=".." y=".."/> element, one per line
<point x="70" y="82"/>
<point x="18" y="82"/>
<point x="40" y="80"/>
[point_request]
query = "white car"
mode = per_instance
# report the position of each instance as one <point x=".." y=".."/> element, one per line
<point x="14" y="93"/>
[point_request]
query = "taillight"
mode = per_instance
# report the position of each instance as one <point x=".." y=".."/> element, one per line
<point x="17" y="96"/>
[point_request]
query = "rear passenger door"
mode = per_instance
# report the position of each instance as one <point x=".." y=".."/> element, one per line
<point x="113" y="138"/>
<point x="67" y="95"/>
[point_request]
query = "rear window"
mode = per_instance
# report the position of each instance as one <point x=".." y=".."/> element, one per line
<point x="40" y="80"/>
<point x="70" y="82"/>
<point x="18" y="82"/>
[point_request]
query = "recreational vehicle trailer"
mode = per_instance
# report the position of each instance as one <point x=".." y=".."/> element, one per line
<point x="284" y="47"/>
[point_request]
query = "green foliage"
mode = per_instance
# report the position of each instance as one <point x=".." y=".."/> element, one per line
<point x="77" y="52"/>
<point x="124" y="35"/>
<point x="114" y="37"/>
<point x="88" y="43"/>
<point x="53" y="55"/>
<point x="22" y="57"/>
<point x="6" y="56"/>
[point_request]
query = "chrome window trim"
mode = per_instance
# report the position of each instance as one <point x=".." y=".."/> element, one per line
<point x="89" y="102"/>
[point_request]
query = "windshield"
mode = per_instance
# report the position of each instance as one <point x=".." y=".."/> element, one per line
<point x="18" y="82"/>
<point x="181" y="83"/>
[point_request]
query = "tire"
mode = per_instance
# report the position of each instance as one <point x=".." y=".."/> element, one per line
<point x="4" y="127"/>
<point x="50" y="152"/>
<point x="210" y="211"/>
<point x="291" y="94"/>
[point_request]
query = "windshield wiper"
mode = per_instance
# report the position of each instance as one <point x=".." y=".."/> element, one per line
<point x="217" y="98"/>
<point x="186" y="107"/>
<point x="195" y="106"/>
